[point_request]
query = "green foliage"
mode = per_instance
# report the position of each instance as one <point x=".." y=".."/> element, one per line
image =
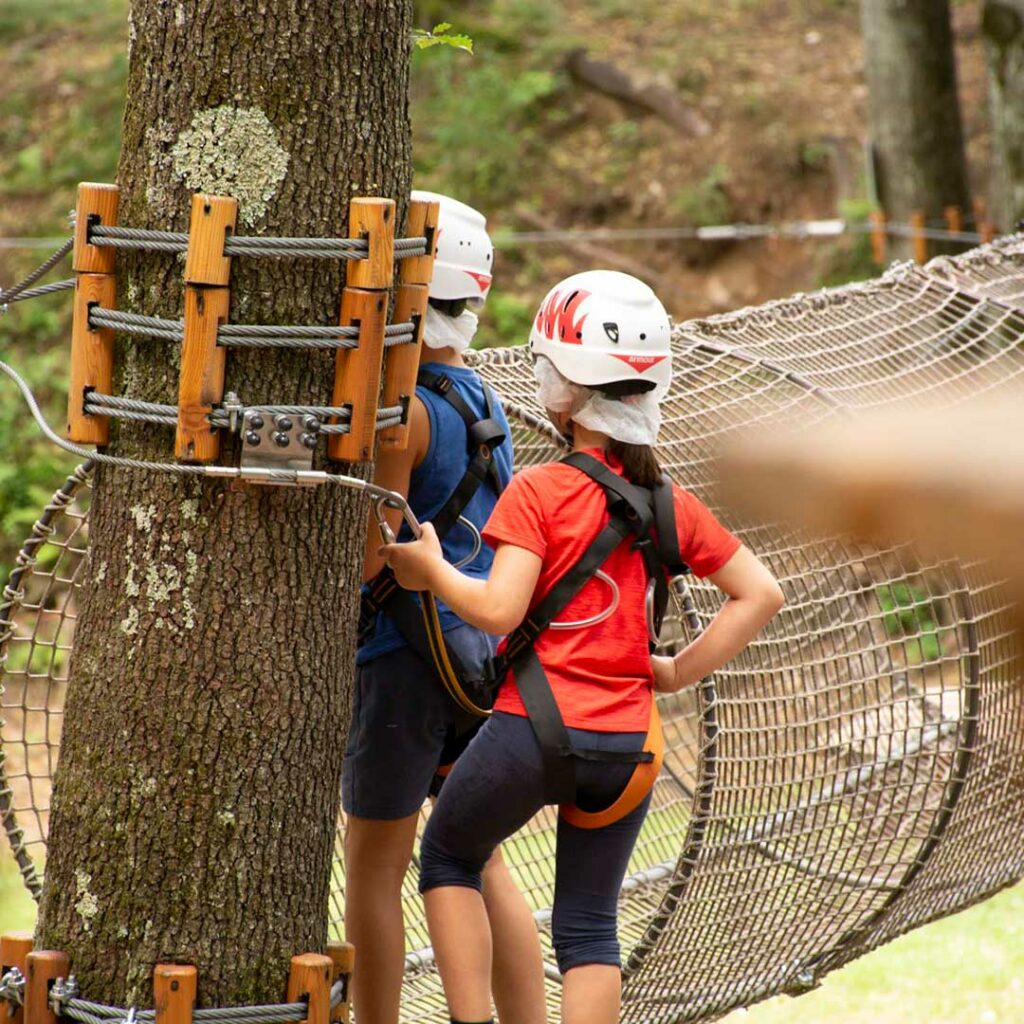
<point x="707" y="202"/>
<point x="481" y="125"/>
<point x="910" y="615"/>
<point x="440" y="36"/>
<point x="505" y="320"/>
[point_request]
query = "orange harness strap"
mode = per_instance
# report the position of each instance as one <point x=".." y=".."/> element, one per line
<point x="641" y="782"/>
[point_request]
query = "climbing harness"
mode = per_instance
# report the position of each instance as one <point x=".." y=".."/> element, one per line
<point x="419" y="622"/>
<point x="647" y="515"/>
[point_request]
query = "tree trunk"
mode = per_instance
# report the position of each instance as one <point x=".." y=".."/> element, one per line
<point x="196" y="798"/>
<point x="917" y="140"/>
<point x="1003" y="28"/>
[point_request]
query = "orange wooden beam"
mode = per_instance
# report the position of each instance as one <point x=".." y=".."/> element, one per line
<point x="207" y="300"/>
<point x="14" y="950"/>
<point x="310" y="979"/>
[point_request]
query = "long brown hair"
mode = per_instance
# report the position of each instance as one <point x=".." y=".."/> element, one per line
<point x="639" y="463"/>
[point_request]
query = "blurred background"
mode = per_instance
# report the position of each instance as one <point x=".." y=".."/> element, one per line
<point x="604" y="133"/>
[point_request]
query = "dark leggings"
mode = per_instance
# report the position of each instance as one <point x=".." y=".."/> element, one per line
<point x="496" y="786"/>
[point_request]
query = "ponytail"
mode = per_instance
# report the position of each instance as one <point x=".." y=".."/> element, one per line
<point x="639" y="463"/>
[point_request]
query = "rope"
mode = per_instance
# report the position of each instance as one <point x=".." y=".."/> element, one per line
<point x="135" y="323"/>
<point x="65" y="1004"/>
<point x="145" y="240"/>
<point x="8" y="294"/>
<point x="263" y="336"/>
<point x="46" y="289"/>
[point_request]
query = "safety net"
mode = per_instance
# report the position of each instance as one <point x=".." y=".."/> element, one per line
<point x="856" y="772"/>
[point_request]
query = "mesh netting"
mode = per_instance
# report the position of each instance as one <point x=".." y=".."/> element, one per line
<point x="856" y="772"/>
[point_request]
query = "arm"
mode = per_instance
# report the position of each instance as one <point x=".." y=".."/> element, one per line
<point x="753" y="597"/>
<point x="496" y="605"/>
<point x="393" y="470"/>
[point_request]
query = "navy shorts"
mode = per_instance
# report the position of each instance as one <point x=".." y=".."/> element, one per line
<point x="496" y="786"/>
<point x="402" y="721"/>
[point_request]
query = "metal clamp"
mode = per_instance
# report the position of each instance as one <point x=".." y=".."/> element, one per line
<point x="276" y="441"/>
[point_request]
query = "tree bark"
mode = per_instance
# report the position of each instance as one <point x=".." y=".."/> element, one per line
<point x="916" y="133"/>
<point x="1003" y="29"/>
<point x="196" y="798"/>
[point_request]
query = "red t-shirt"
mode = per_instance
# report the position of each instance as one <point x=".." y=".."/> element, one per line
<point x="600" y="675"/>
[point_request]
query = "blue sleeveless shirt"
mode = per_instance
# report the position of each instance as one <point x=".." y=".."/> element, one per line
<point x="433" y="482"/>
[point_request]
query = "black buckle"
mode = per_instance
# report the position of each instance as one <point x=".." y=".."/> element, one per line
<point x="444" y="384"/>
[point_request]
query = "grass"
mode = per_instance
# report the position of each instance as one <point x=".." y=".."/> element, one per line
<point x="17" y="910"/>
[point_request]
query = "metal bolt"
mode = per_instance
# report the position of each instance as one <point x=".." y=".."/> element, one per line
<point x="282" y="423"/>
<point x="281" y="440"/>
<point x="251" y="437"/>
<point x="311" y="423"/>
<point x="256" y="422"/>
<point x="308" y="441"/>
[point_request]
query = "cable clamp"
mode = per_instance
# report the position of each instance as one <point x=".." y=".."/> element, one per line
<point x="234" y="408"/>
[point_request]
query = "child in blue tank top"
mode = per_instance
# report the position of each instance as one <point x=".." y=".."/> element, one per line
<point x="404" y="723"/>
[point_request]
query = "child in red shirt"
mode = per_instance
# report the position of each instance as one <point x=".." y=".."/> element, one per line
<point x="580" y="546"/>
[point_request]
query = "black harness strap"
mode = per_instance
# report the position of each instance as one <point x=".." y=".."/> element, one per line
<point x="482" y="437"/>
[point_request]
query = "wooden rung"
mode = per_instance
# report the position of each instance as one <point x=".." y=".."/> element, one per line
<point x="374" y="220"/>
<point x="174" y="993"/>
<point x="14" y="950"/>
<point x="310" y="978"/>
<point x="918" y="222"/>
<point x="97" y="204"/>
<point x="201" y="384"/>
<point x="954" y="218"/>
<point x="420" y="220"/>
<point x="212" y="222"/>
<point x="357" y="374"/>
<point x="402" y="362"/>
<point x="44" y="967"/>
<point x="92" y="357"/>
<point x="343" y="957"/>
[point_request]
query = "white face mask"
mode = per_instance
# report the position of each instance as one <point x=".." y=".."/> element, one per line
<point x="632" y="420"/>
<point x="441" y="331"/>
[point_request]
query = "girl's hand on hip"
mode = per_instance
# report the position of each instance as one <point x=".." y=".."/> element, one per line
<point x="413" y="562"/>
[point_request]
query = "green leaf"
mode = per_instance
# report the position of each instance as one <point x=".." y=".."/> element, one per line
<point x="439" y="36"/>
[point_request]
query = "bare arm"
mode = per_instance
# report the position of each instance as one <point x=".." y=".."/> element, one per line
<point x="393" y="470"/>
<point x="753" y="597"/>
<point x="496" y="605"/>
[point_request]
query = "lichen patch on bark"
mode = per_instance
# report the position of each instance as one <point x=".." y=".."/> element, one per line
<point x="232" y="151"/>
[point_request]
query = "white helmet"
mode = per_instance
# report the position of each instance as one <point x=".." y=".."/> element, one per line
<point x="602" y="327"/>
<point x="463" y="253"/>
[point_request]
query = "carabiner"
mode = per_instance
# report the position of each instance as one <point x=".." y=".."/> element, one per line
<point x="601" y="615"/>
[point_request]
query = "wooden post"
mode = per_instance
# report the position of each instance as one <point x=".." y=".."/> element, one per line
<point x="97" y="204"/>
<point x="918" y="223"/>
<point x="343" y="956"/>
<point x="403" y="362"/>
<point x="14" y="950"/>
<point x="207" y="298"/>
<point x="984" y="226"/>
<point x="92" y="350"/>
<point x="420" y="220"/>
<point x="44" y="967"/>
<point x="878" y="236"/>
<point x="954" y="219"/>
<point x="357" y="373"/>
<point x="374" y="220"/>
<point x="174" y="993"/>
<point x="310" y="979"/>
